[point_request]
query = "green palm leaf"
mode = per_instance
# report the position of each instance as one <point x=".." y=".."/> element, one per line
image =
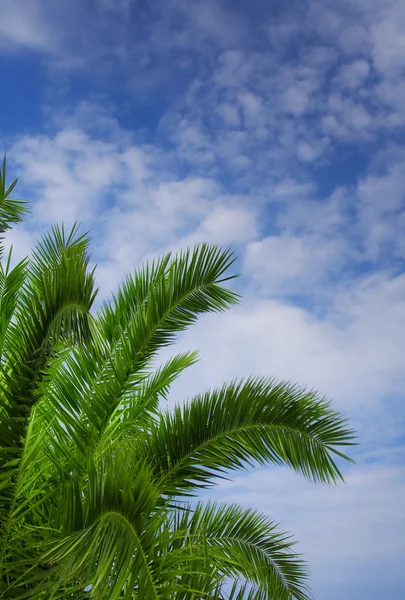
<point x="12" y="211"/>
<point x="257" y="421"/>
<point x="246" y="543"/>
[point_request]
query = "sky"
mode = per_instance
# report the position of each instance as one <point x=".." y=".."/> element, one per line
<point x="275" y="128"/>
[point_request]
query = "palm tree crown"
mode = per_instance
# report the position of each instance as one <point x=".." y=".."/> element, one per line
<point x="96" y="480"/>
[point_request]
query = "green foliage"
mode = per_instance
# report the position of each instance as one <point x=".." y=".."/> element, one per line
<point x="11" y="210"/>
<point x="94" y="475"/>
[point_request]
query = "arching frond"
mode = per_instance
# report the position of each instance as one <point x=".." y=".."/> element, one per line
<point x="168" y="299"/>
<point x="257" y="421"/>
<point x="245" y="543"/>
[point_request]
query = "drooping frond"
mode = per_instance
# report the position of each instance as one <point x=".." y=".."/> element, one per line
<point x="257" y="421"/>
<point x="245" y="543"/>
<point x="243" y="590"/>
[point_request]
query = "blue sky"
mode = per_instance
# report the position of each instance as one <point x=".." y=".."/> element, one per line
<point x="275" y="128"/>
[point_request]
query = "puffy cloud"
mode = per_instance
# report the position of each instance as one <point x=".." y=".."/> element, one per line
<point x="229" y="113"/>
<point x="71" y="172"/>
<point x="226" y="225"/>
<point x="353" y="74"/>
<point x="134" y="205"/>
<point x="382" y="208"/>
<point x="283" y="264"/>
<point x="387" y="36"/>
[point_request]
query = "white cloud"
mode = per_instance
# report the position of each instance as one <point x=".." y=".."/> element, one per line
<point x="252" y="82"/>
<point x="388" y="38"/>
<point x="228" y="113"/>
<point x="290" y="189"/>
<point x="210" y="20"/>
<point x="348" y="119"/>
<point x="224" y="225"/>
<point x="234" y="69"/>
<point x="183" y="198"/>
<point x="346" y="24"/>
<point x="252" y="107"/>
<point x="306" y="152"/>
<point x="281" y="33"/>
<point x="193" y="143"/>
<point x="71" y="171"/>
<point x="353" y="74"/>
<point x="134" y="204"/>
<point x="382" y="208"/>
<point x="22" y="242"/>
<point x="352" y="351"/>
<point x="384" y="193"/>
<point x="285" y="264"/>
<point x="370" y="499"/>
<point x="310" y="150"/>
<point x="295" y="100"/>
<point x="337" y="82"/>
<point x="24" y="24"/>
<point x="390" y="94"/>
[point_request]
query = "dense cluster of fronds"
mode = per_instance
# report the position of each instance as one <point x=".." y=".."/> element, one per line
<point x="95" y="478"/>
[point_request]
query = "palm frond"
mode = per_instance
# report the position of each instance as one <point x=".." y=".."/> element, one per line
<point x="142" y="402"/>
<point x="53" y="305"/>
<point x="150" y="309"/>
<point x="107" y="524"/>
<point x="245" y="543"/>
<point x="257" y="421"/>
<point x="12" y="211"/>
<point x="11" y="282"/>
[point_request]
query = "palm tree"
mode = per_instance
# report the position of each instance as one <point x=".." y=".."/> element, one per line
<point x="97" y="482"/>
